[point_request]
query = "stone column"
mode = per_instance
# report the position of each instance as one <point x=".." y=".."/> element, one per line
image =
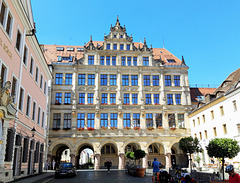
<point x="74" y="99"/>
<point x="97" y="162"/>
<point x="145" y="160"/>
<point x="168" y="160"/>
<point x="121" y="161"/>
<point x="73" y="158"/>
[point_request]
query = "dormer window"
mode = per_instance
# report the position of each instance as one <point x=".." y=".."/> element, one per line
<point x="70" y="49"/>
<point x="171" y="61"/>
<point x="108" y="46"/>
<point x="121" y="36"/>
<point x="114" y="36"/>
<point x="60" y="48"/>
<point x="80" y="49"/>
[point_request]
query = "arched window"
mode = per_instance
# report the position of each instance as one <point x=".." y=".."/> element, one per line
<point x="108" y="149"/>
<point x="153" y="149"/>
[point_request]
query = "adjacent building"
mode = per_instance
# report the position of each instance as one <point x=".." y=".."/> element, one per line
<point x="24" y="93"/>
<point x="218" y="116"/>
<point x="117" y="95"/>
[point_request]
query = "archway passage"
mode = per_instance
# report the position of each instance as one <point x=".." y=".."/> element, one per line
<point x="178" y="158"/>
<point x="61" y="153"/>
<point x="85" y="157"/>
<point x="155" y="150"/>
<point x="131" y="147"/>
<point x="109" y="152"/>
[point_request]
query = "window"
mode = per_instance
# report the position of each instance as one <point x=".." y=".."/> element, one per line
<point x="169" y="99"/>
<point x="212" y="114"/>
<point x="155" y="80"/>
<point x="145" y="61"/>
<point x="134" y="61"/>
<point x="136" y="120"/>
<point x="149" y="120"/>
<point x="81" y="79"/>
<point x="2" y="13"/>
<point x="9" y="24"/>
<point x="126" y="120"/>
<point x="34" y="111"/>
<point x="90" y="98"/>
<point x="123" y="61"/>
<point x="18" y="41"/>
<point x="148" y="98"/>
<point x="45" y="87"/>
<point x="36" y="76"/>
<point x="146" y="80"/>
<point x="56" y="120"/>
<point x="194" y="124"/>
<point x="129" y="61"/>
<point x="181" y="121"/>
<point x="25" y="55"/>
<point x="70" y="49"/>
<point x="21" y="98"/>
<point x="58" y="98"/>
<point x="107" y="60"/>
<point x="206" y="135"/>
<point x="200" y="135"/>
<point x="156" y="98"/>
<point x="112" y="98"/>
<point x="177" y="80"/>
<point x="234" y="105"/>
<point x="67" y="121"/>
<point x="113" y="60"/>
<point x="125" y="81"/>
<point x="113" y="118"/>
<point x="80" y="49"/>
<point x="103" y="79"/>
<point x="39" y="115"/>
<point x="134" y="80"/>
<point x="68" y="79"/>
<point x="214" y="131"/>
<point x="171" y="120"/>
<point x="104" y="120"/>
<point x="158" y="120"/>
<point x="126" y="98"/>
<point x="81" y="98"/>
<point x="121" y="46"/>
<point x="221" y="111"/>
<point x="80" y="120"/>
<point x="91" y="79"/>
<point x="178" y="98"/>
<point x="60" y="48"/>
<point x="58" y="79"/>
<point x="43" y="119"/>
<point x="102" y="60"/>
<point x="91" y="117"/>
<point x="67" y="98"/>
<point x="104" y="98"/>
<point x="31" y="66"/>
<point x="135" y="98"/>
<point x="198" y="120"/>
<point x="108" y="46"/>
<point x="128" y="46"/>
<point x="28" y="105"/>
<point x="224" y="129"/>
<point x="121" y="36"/>
<point x="14" y="88"/>
<point x="203" y="118"/>
<point x="90" y="60"/>
<point x="3" y="75"/>
<point x="171" y="61"/>
<point x="115" y="46"/>
<point x="25" y="150"/>
<point x="113" y="79"/>
<point x="41" y="81"/>
<point x="167" y="80"/>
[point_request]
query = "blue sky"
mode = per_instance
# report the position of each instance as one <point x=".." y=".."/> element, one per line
<point x="205" y="32"/>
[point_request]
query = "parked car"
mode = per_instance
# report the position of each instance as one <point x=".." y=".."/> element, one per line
<point x="65" y="169"/>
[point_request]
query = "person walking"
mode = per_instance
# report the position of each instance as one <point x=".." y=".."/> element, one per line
<point x="233" y="176"/>
<point x="108" y="165"/>
<point x="53" y="164"/>
<point x="155" y="164"/>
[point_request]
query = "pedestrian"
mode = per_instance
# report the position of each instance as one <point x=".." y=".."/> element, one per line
<point x="108" y="165"/>
<point x="233" y="176"/>
<point x="46" y="166"/>
<point x="53" y="164"/>
<point x="155" y="164"/>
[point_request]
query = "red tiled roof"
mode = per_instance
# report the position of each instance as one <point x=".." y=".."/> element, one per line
<point x="195" y="92"/>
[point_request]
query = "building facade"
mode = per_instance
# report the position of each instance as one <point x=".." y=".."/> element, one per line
<point x="24" y="93"/>
<point x="218" y="116"/>
<point x="117" y="95"/>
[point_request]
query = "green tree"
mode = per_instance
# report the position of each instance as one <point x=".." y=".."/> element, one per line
<point x="190" y="145"/>
<point x="223" y="148"/>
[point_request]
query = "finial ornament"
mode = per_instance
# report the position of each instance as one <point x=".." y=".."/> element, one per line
<point x="144" y="40"/>
<point x="90" y="38"/>
<point x="183" y="61"/>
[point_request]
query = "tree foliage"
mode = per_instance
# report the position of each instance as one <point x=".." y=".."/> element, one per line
<point x="189" y="145"/>
<point x="223" y="148"/>
<point x="139" y="154"/>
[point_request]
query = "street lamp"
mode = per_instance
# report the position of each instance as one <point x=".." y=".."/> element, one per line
<point x="49" y="143"/>
<point x="33" y="131"/>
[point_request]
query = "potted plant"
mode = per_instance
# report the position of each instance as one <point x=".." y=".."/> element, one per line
<point x="136" y="128"/>
<point x="139" y="154"/>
